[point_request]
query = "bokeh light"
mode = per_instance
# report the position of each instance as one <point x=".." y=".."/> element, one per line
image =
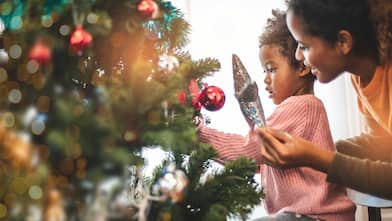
<point x="15" y="51"/>
<point x="4" y="58"/>
<point x="32" y="66"/>
<point x="15" y="96"/>
<point x="46" y="21"/>
<point x="3" y="75"/>
<point x="92" y="18"/>
<point x="2" y="26"/>
<point x="38" y="127"/>
<point x="16" y="22"/>
<point x="3" y="211"/>
<point x="29" y="115"/>
<point x="65" y="30"/>
<point x="35" y="192"/>
<point x="8" y="119"/>
<point x="6" y="8"/>
<point x="130" y="136"/>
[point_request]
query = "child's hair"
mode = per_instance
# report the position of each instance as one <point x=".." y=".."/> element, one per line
<point x="369" y="22"/>
<point x="277" y="33"/>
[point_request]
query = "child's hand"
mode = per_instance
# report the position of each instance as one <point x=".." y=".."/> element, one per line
<point x="283" y="150"/>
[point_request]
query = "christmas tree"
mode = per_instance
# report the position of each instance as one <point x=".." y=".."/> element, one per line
<point x="84" y="86"/>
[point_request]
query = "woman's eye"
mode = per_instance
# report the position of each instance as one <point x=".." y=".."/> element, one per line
<point x="301" y="47"/>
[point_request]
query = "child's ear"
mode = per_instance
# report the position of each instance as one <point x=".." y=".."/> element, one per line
<point x="303" y="70"/>
<point x="344" y="42"/>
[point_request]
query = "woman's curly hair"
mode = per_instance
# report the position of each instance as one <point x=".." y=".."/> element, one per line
<point x="277" y="33"/>
<point x="381" y="16"/>
<point x="369" y="22"/>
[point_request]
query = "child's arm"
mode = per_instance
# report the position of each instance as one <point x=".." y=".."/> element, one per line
<point x="231" y="146"/>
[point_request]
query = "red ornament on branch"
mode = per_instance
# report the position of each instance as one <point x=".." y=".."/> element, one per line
<point x="193" y="95"/>
<point x="80" y="39"/>
<point x="40" y="53"/>
<point x="194" y="90"/>
<point x="148" y="9"/>
<point x="181" y="96"/>
<point x="212" y="98"/>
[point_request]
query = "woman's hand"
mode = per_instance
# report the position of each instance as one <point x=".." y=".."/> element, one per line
<point x="283" y="150"/>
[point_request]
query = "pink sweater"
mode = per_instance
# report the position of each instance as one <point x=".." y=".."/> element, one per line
<point x="301" y="190"/>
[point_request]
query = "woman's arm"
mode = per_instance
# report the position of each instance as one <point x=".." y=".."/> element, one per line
<point x="373" y="177"/>
<point x="285" y="151"/>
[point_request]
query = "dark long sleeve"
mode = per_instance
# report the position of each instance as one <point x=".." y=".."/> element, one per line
<point x="368" y="176"/>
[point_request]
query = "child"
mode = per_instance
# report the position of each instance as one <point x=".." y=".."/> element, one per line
<point x="290" y="85"/>
<point x="335" y="37"/>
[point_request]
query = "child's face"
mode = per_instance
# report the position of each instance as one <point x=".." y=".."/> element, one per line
<point x="281" y="79"/>
<point x="325" y="60"/>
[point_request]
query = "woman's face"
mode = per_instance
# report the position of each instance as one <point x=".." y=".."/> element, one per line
<point x="325" y="59"/>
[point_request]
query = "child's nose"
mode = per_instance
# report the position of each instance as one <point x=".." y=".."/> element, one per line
<point x="298" y="54"/>
<point x="267" y="78"/>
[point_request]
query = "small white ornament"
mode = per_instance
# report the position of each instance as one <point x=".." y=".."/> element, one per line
<point x="168" y="63"/>
<point x="174" y="183"/>
<point x="4" y="58"/>
<point x="2" y="26"/>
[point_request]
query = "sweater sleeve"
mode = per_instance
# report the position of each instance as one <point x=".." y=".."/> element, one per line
<point x="367" y="146"/>
<point x="364" y="163"/>
<point x="231" y="146"/>
<point x="374" y="177"/>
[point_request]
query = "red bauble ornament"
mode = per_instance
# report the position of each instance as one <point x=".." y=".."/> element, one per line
<point x="148" y="9"/>
<point x="212" y="98"/>
<point x="40" y="53"/>
<point x="80" y="39"/>
<point x="181" y="96"/>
